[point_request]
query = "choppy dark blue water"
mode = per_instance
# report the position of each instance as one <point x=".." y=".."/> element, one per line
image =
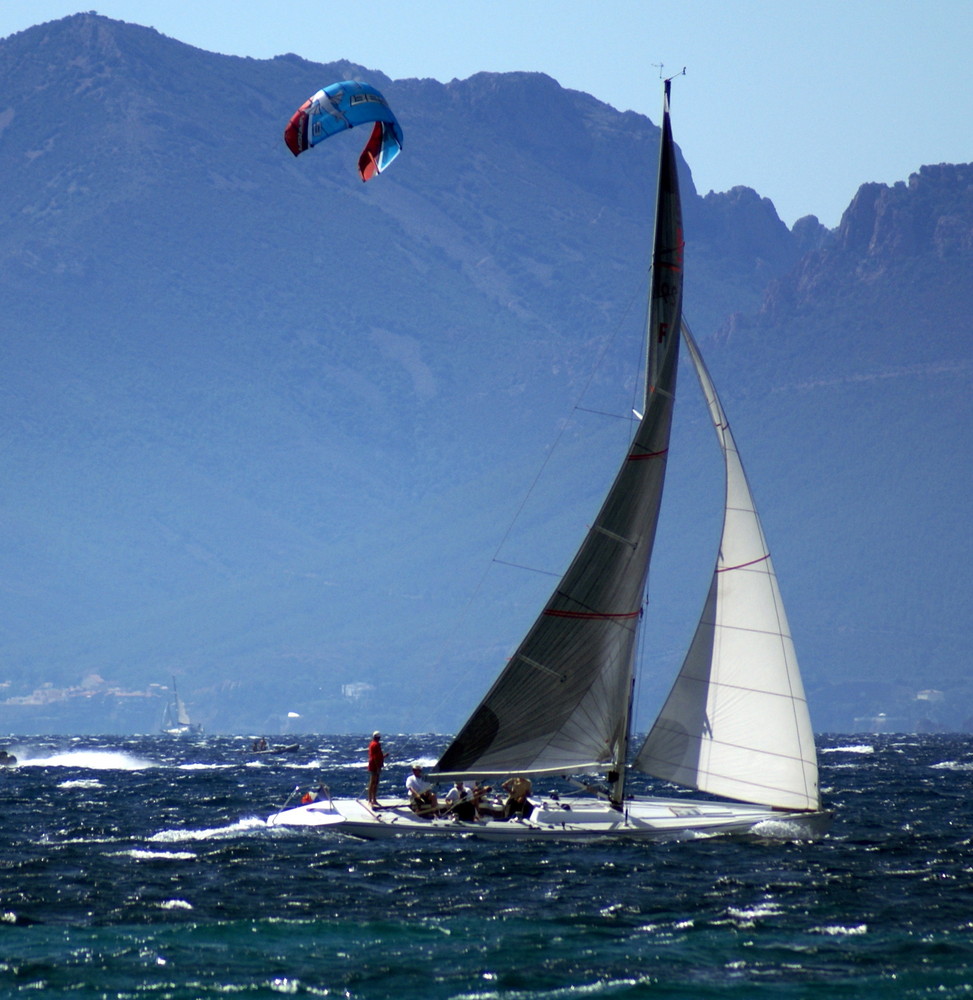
<point x="144" y="868"/>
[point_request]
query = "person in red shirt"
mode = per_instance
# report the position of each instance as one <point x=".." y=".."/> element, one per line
<point x="376" y="758"/>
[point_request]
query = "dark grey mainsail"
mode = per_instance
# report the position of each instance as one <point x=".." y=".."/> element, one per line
<point x="563" y="702"/>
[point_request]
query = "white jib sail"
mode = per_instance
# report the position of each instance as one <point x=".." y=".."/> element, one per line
<point x="736" y="722"/>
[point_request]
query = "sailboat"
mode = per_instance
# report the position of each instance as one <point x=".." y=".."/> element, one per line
<point x="175" y="718"/>
<point x="735" y="726"/>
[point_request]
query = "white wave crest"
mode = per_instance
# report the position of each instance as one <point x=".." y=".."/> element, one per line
<point x="156" y="855"/>
<point x="92" y="760"/>
<point x="755" y="912"/>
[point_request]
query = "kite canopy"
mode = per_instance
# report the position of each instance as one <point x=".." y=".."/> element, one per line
<point x="342" y="106"/>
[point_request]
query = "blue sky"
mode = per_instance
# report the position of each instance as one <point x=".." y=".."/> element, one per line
<point x="803" y="101"/>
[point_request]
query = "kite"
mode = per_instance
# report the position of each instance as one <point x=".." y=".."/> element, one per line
<point x="342" y="106"/>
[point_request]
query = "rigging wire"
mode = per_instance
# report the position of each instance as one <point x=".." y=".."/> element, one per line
<point x="609" y="341"/>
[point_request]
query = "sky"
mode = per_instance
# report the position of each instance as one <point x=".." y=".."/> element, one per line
<point x="802" y="100"/>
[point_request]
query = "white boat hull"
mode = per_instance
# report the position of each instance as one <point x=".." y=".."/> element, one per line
<point x="577" y="820"/>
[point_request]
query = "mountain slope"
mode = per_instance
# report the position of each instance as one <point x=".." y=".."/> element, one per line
<point x="266" y="426"/>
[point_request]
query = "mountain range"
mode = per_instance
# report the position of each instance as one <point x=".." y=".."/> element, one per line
<point x="277" y="434"/>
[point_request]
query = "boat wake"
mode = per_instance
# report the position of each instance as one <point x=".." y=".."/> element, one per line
<point x="215" y="833"/>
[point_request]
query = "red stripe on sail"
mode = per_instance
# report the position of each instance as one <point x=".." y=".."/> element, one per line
<point x="592" y="615"/>
<point x="753" y="562"/>
<point x="649" y="454"/>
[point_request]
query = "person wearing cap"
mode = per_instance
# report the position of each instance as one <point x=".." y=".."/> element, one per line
<point x="376" y="760"/>
<point x="421" y="795"/>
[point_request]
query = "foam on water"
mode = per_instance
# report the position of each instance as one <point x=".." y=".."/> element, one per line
<point x="156" y="855"/>
<point x="126" y="869"/>
<point x="91" y="760"/>
<point x="421" y="761"/>
<point x="217" y="833"/>
<point x="953" y="765"/>
<point x="768" y="909"/>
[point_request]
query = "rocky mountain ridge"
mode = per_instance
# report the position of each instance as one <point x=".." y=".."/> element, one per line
<point x="266" y="428"/>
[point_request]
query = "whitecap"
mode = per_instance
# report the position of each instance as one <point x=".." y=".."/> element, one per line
<point x="92" y="760"/>
<point x="81" y="783"/>
<point x="755" y="912"/>
<point x="140" y="855"/>
<point x="837" y="930"/>
<point x="855" y="748"/>
<point x="423" y="761"/>
<point x="175" y="904"/>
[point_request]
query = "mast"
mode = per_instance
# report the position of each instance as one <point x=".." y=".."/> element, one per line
<point x="663" y="327"/>
<point x="562" y="704"/>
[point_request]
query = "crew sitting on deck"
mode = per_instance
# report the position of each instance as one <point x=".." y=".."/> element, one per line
<point x="462" y="803"/>
<point x="517" y="803"/>
<point x="484" y="805"/>
<point x="421" y="796"/>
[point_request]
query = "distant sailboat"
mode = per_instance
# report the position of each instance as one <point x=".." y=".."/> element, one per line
<point x="736" y="723"/>
<point x="175" y="718"/>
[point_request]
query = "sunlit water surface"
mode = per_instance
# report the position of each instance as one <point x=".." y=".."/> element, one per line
<point x="144" y="867"/>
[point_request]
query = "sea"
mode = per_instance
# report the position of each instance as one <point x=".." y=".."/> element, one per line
<point x="144" y="867"/>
